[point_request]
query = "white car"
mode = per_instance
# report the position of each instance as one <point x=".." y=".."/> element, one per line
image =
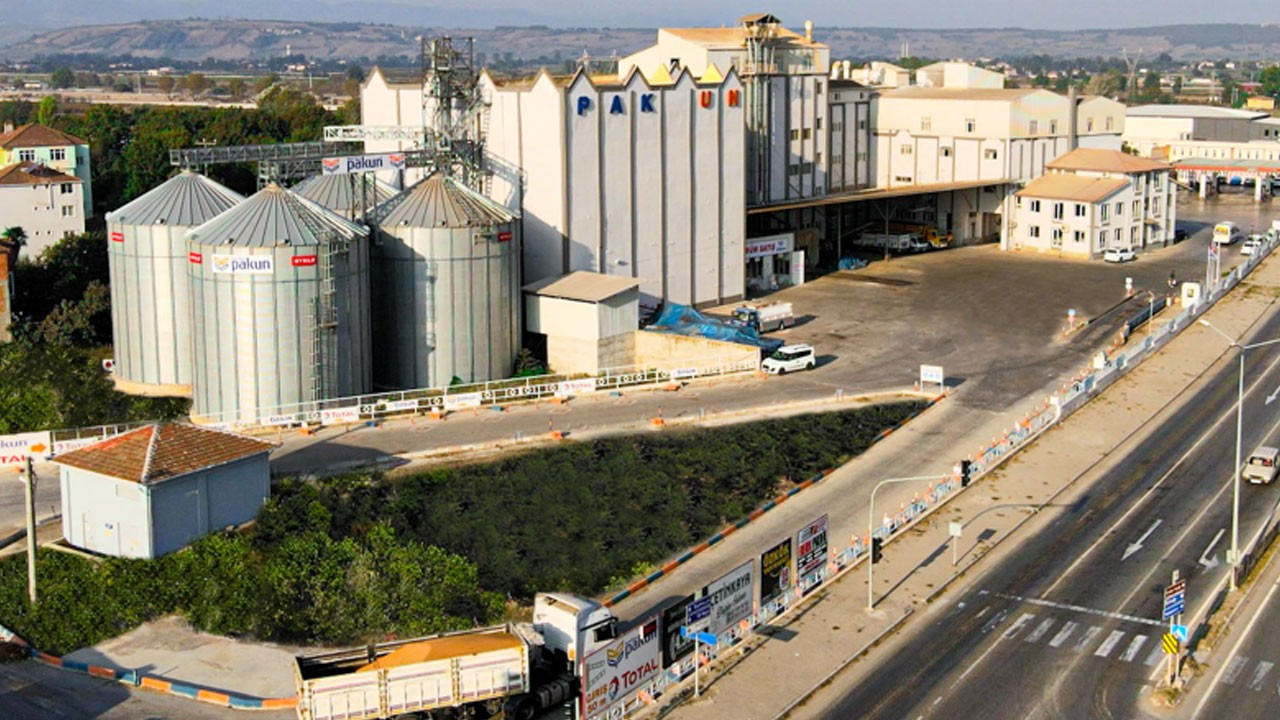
<point x="1251" y="245"/>
<point x="789" y="358"/>
<point x="1119" y="255"/>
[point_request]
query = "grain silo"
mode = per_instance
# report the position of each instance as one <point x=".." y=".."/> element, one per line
<point x="347" y="194"/>
<point x="279" y="308"/>
<point x="447" y="301"/>
<point x="150" y="300"/>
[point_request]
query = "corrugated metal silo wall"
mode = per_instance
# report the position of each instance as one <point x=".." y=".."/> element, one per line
<point x="149" y="303"/>
<point x="446" y="305"/>
<point x="355" y="336"/>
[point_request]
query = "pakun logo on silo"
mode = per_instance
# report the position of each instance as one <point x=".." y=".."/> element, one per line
<point x="243" y="265"/>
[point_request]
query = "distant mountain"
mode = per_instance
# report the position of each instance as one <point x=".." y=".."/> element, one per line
<point x="227" y="39"/>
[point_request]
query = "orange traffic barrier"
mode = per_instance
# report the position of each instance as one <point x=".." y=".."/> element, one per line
<point x="657" y="422"/>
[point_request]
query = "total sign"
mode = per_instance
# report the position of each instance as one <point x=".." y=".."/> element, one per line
<point x="614" y="674"/>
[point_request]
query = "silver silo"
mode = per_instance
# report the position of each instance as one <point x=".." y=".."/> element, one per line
<point x="447" y="298"/>
<point x="279" y="308"/>
<point x="347" y="194"/>
<point x="150" y="300"/>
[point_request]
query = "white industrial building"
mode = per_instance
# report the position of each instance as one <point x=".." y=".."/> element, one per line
<point x="1092" y="200"/>
<point x="958" y="75"/>
<point x="1150" y="127"/>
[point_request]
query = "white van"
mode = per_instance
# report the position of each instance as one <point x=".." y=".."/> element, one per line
<point x="1260" y="469"/>
<point x="789" y="358"/>
<point x="1226" y="233"/>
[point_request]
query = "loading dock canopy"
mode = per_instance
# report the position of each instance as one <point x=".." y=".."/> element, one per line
<point x="582" y="286"/>
<point x="1228" y="165"/>
<point x="875" y="194"/>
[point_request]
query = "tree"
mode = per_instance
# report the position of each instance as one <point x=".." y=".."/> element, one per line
<point x="1177" y="85"/>
<point x="351" y="88"/>
<point x="1105" y="85"/>
<point x="1270" y="79"/>
<point x="1151" y="81"/>
<point x="236" y="88"/>
<point x="63" y="77"/>
<point x="196" y="84"/>
<point x="46" y="109"/>
<point x="355" y="72"/>
<point x="261" y="84"/>
<point x="1040" y="81"/>
<point x="87" y="80"/>
<point x="14" y="236"/>
<point x="165" y="84"/>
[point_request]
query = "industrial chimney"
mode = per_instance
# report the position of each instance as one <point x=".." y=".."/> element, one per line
<point x="1073" y="127"/>
<point x="808" y="30"/>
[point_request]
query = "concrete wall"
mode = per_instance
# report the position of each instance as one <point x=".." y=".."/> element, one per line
<point x="45" y="211"/>
<point x="668" y="352"/>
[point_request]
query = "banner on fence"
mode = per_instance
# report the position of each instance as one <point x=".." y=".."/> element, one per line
<point x="775" y="572"/>
<point x="569" y="388"/>
<point x="66" y="446"/>
<point x="614" y="674"/>
<point x="811" y="549"/>
<point x="15" y="449"/>
<point x="732" y="597"/>
<point x="337" y="416"/>
<point x="399" y="405"/>
<point x="274" y="420"/>
<point x="462" y="401"/>
<point x="675" y="647"/>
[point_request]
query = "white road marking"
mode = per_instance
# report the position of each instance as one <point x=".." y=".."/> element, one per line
<point x="1135" y="646"/>
<point x="1208" y="562"/>
<point x="1018" y="625"/>
<point x="1263" y="668"/>
<point x="993" y="622"/>
<point x="1107" y="645"/>
<point x="1233" y="669"/>
<point x="1243" y="636"/>
<point x="1081" y="609"/>
<point x="1136" y="546"/>
<point x="1154" y="656"/>
<point x="1063" y="634"/>
<point x="1040" y="630"/>
<point x="1087" y="638"/>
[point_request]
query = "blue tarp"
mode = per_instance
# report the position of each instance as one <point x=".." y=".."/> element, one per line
<point x="683" y="320"/>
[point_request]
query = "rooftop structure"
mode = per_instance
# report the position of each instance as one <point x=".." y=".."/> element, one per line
<point x="160" y="452"/>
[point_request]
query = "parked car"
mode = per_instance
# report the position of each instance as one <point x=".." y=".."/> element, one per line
<point x="1251" y="245"/>
<point x="920" y="245"/>
<point x="1119" y="255"/>
<point x="789" y="358"/>
<point x="1179" y="235"/>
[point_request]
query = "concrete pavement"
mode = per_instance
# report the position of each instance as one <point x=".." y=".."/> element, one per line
<point x="919" y="565"/>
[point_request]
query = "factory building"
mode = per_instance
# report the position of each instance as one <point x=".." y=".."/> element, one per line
<point x="446" y="300"/>
<point x="150" y="295"/>
<point x="279" y="307"/>
<point x="1150" y="127"/>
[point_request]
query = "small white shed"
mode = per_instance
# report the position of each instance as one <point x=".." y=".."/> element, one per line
<point x="151" y="491"/>
<point x="589" y="319"/>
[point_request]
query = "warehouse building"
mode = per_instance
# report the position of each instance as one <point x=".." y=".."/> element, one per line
<point x="1151" y="127"/>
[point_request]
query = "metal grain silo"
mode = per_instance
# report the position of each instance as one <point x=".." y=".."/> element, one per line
<point x="150" y="300"/>
<point x="347" y="194"/>
<point x="279" y="308"/>
<point x="447" y="296"/>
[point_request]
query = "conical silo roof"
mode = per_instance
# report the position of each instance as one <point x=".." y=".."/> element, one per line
<point x="338" y="193"/>
<point x="439" y="201"/>
<point x="272" y="217"/>
<point x="187" y="199"/>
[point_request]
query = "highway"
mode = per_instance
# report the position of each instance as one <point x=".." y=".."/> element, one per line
<point x="1242" y="678"/>
<point x="1069" y="626"/>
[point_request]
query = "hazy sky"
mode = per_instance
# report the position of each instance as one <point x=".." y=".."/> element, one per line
<point x="1052" y="14"/>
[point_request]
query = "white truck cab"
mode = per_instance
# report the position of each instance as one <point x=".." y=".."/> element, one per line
<point x="572" y="625"/>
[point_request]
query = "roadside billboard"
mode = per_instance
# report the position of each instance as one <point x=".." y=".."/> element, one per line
<point x="811" y="549"/>
<point x="15" y="449"/>
<point x="674" y="647"/>
<point x="732" y="597"/>
<point x="614" y="674"/>
<point x="775" y="572"/>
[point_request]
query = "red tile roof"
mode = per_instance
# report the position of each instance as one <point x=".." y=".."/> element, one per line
<point x="156" y="453"/>
<point x="32" y="135"/>
<point x="33" y="173"/>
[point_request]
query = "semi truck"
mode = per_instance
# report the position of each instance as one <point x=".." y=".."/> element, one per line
<point x="923" y="230"/>
<point x="899" y="242"/>
<point x="519" y="669"/>
<point x="765" y="317"/>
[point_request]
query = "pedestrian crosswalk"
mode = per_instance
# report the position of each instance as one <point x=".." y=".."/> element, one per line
<point x="1136" y="642"/>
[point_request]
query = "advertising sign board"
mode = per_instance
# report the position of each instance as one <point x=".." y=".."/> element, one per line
<point x="770" y="245"/>
<point x="613" y="674"/>
<point x="775" y="572"/>
<point x="336" y="416"/>
<point x="674" y="646"/>
<point x="568" y="388"/>
<point x="462" y="401"/>
<point x="811" y="549"/>
<point x="243" y="264"/>
<point x="362" y="163"/>
<point x="731" y="597"/>
<point x="15" y="449"/>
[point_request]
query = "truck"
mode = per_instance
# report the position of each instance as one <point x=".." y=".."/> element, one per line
<point x="927" y="232"/>
<point x="900" y="242"/>
<point x="765" y="317"/>
<point x="519" y="669"/>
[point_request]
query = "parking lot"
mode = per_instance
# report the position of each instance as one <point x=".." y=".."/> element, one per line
<point x="994" y="320"/>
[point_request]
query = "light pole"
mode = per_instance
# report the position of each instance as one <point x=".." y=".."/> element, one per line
<point x="871" y="524"/>
<point x="1234" y="560"/>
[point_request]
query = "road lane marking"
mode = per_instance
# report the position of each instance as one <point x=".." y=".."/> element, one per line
<point x="1263" y="668"/>
<point x="1018" y="625"/>
<point x="1233" y="669"/>
<point x="1205" y="560"/>
<point x="1063" y="634"/>
<point x="1040" y="630"/>
<point x="1135" y="646"/>
<point x="1087" y="638"/>
<point x="1154" y="656"/>
<point x="993" y="622"/>
<point x="1082" y="609"/>
<point x="1235" y="649"/>
<point x="1136" y="546"/>
<point x="1109" y="644"/>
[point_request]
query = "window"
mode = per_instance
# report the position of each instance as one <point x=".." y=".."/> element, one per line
<point x="66" y="188"/>
<point x="946" y="152"/>
<point x="1079" y="237"/>
<point x="1035" y="206"/>
<point x="793" y="169"/>
<point x="1058" y="211"/>
<point x="862" y="157"/>
<point x="1053" y="127"/>
<point x="68" y="211"/>
<point x="66" y="234"/>
<point x="1119" y="209"/>
<point x="1137" y="208"/>
<point x="58" y="154"/>
<point x="26" y="155"/>
<point x="808" y="133"/>
<point x="1102" y="240"/>
<point x="1034" y="231"/>
<point x="1017" y="201"/>
<point x="817" y="87"/>
<point x="817" y="157"/>
<point x="862" y="124"/>
<point x="1155" y="206"/>
<point x="926" y="123"/>
<point x="906" y="149"/>
<point x="1133" y="235"/>
<point x="990" y="154"/>
<point x="970" y="125"/>
<point x="1056" y="241"/>
<point x="1110" y="123"/>
<point x="806" y="168"/>
<point x="1034" y="128"/>
<point x="1080" y="210"/>
<point x="902" y="178"/>
<point x="836" y="159"/>
<point x="795" y="134"/>
<point x="836" y="126"/>
<point x="1106" y="215"/>
<point x="1119" y="236"/>
<point x="818" y="123"/>
<point x="1088" y="125"/>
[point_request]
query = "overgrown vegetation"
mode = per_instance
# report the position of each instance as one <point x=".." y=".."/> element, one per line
<point x="353" y="558"/>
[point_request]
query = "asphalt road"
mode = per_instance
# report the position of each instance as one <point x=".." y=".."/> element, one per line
<point x="1069" y="626"/>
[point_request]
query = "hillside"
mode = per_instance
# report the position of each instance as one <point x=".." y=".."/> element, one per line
<point x="197" y="39"/>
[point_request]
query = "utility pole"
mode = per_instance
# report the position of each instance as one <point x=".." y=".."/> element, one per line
<point x="29" y="482"/>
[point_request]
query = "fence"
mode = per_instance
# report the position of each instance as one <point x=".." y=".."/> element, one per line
<point x="1066" y="399"/>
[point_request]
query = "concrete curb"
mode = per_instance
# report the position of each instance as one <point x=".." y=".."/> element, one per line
<point x="152" y="682"/>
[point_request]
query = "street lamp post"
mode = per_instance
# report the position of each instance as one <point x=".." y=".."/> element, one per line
<point x="1234" y="560"/>
<point x="871" y="520"/>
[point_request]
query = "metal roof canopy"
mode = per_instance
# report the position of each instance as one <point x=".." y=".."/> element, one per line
<point x="1228" y="164"/>
<point x="875" y="194"/>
